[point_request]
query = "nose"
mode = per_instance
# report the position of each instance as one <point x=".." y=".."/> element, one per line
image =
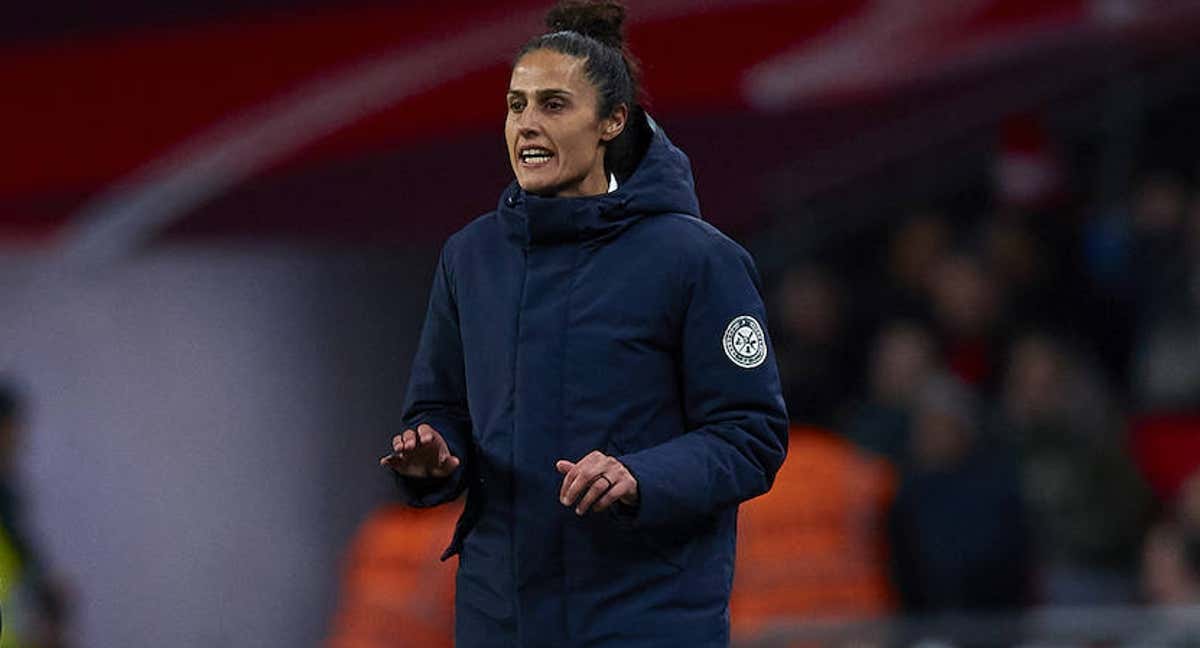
<point x="528" y="123"/>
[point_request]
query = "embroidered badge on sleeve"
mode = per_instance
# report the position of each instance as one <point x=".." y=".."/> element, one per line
<point x="744" y="342"/>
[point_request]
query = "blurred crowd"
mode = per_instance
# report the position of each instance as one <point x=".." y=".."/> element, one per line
<point x="1032" y="371"/>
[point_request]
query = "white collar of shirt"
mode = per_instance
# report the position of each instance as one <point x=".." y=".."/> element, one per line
<point x="612" y="183"/>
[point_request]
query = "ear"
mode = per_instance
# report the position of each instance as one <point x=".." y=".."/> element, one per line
<point x="614" y="124"/>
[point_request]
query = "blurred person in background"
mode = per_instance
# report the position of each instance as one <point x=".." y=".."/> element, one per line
<point x="1170" y="568"/>
<point x="914" y="253"/>
<point x="959" y="533"/>
<point x="594" y="372"/>
<point x="1160" y="245"/>
<point x="1170" y="573"/>
<point x="31" y="601"/>
<point x="1025" y="273"/>
<point x="1086" y="500"/>
<point x="1166" y="362"/>
<point x="967" y="312"/>
<point x="1135" y="256"/>
<point x="903" y="357"/>
<point x="1170" y="583"/>
<point x="814" y="361"/>
<point x="1170" y="579"/>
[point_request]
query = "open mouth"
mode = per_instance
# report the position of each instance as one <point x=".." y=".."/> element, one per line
<point x="535" y="156"/>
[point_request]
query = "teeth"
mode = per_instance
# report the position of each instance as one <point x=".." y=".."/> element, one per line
<point x="538" y="157"/>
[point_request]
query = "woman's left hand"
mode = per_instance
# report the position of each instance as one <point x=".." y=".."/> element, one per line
<point x="595" y="482"/>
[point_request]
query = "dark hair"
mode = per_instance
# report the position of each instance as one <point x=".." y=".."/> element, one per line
<point x="592" y="30"/>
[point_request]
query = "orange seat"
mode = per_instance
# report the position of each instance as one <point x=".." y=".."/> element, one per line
<point x="814" y="546"/>
<point x="395" y="592"/>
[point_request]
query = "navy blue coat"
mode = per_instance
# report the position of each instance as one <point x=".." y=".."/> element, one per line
<point x="621" y="323"/>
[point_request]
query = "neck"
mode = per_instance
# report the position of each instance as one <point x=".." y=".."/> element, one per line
<point x="594" y="184"/>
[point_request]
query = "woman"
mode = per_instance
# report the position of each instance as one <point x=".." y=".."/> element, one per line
<point x="593" y="372"/>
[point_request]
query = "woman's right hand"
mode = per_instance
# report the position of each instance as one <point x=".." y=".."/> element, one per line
<point x="420" y="453"/>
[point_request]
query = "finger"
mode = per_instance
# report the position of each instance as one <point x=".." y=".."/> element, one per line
<point x="619" y="490"/>
<point x="398" y="442"/>
<point x="424" y="434"/>
<point x="446" y="466"/>
<point x="566" y="493"/>
<point x="410" y="440"/>
<point x="571" y="472"/>
<point x="585" y="471"/>
<point x="443" y="449"/>
<point x="599" y="486"/>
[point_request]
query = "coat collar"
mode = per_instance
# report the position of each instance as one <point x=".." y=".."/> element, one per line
<point x="532" y="220"/>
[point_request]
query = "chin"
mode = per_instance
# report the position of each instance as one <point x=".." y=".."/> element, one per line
<point x="540" y="188"/>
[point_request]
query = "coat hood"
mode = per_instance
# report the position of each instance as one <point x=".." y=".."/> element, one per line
<point x="662" y="182"/>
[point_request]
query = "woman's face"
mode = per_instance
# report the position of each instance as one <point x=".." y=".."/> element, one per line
<point x="555" y="141"/>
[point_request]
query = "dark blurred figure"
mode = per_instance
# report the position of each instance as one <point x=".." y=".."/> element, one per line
<point x="1159" y="244"/>
<point x="1087" y="503"/>
<point x="814" y="362"/>
<point x="915" y="250"/>
<point x="1171" y="550"/>
<point x="33" y="604"/>
<point x="1170" y="578"/>
<point x="958" y="528"/>
<point x="903" y="357"/>
<point x="1136" y="256"/>
<point x="967" y="309"/>
<point x="1170" y="575"/>
<point x="1033" y="271"/>
<point x="1166" y="364"/>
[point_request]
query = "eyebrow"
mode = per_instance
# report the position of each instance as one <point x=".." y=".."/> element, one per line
<point x="547" y="92"/>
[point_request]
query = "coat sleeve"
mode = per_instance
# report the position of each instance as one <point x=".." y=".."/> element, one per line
<point x="437" y="393"/>
<point x="736" y="435"/>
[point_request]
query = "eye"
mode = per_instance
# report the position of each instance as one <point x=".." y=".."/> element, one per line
<point x="516" y="105"/>
<point x="555" y="104"/>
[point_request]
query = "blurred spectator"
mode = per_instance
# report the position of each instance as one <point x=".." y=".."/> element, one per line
<point x="33" y="604"/>
<point x="1166" y="362"/>
<point x="1032" y="283"/>
<point x="966" y="307"/>
<point x="812" y="353"/>
<point x="914" y="253"/>
<point x="1171" y="551"/>
<point x="1086" y="501"/>
<point x="959" y="533"/>
<point x="903" y="357"/>
<point x="1136" y="256"/>
<point x="1169" y="573"/>
<point x="1170" y="578"/>
<point x="1132" y="250"/>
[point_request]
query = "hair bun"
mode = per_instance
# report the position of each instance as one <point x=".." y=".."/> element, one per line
<point x="602" y="20"/>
